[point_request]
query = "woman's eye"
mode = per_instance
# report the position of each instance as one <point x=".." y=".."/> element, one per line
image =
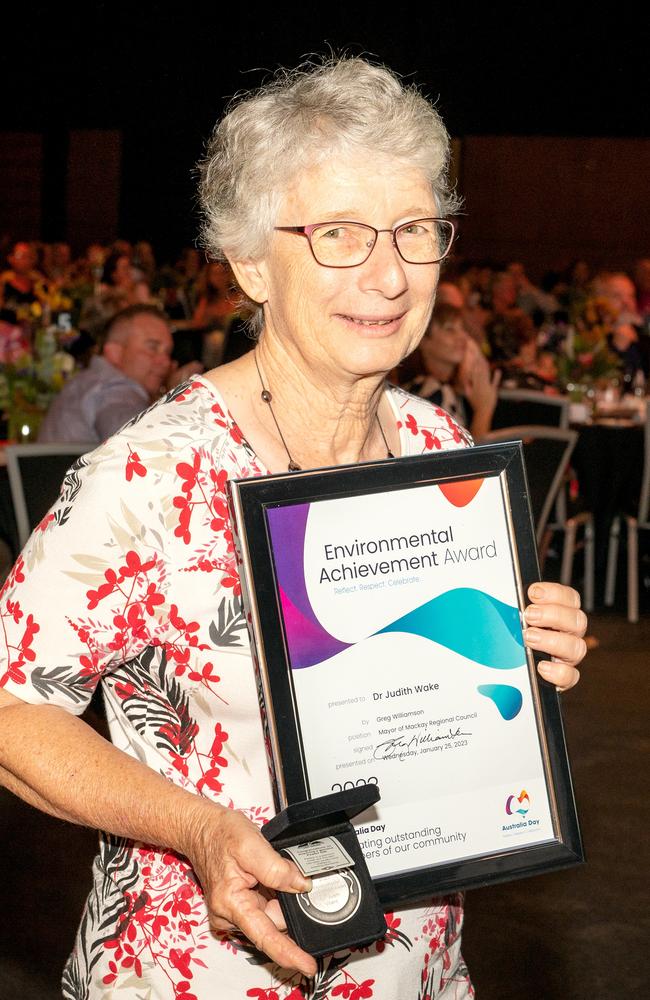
<point x="414" y="230"/>
<point x="333" y="234"/>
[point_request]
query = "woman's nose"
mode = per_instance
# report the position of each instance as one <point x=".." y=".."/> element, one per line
<point x="384" y="269"/>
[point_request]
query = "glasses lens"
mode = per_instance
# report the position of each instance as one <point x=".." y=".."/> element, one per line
<point x="342" y="244"/>
<point x="424" y="241"/>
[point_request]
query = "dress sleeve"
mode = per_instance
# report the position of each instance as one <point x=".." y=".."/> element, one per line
<point x="88" y="591"/>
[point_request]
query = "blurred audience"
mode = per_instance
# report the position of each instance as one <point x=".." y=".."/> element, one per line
<point x="528" y="297"/>
<point x="21" y="284"/>
<point x="520" y="324"/>
<point x="641" y="274"/>
<point x="216" y="301"/>
<point x="58" y="264"/>
<point x="507" y="327"/>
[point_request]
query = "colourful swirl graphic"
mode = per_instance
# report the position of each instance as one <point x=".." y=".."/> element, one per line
<point x="518" y="803"/>
<point x="469" y="622"/>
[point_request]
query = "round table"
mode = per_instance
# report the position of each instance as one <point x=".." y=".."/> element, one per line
<point x="608" y="462"/>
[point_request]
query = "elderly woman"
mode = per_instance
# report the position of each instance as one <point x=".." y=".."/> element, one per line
<point x="326" y="194"/>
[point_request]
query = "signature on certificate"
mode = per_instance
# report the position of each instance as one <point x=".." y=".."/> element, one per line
<point x="400" y="747"/>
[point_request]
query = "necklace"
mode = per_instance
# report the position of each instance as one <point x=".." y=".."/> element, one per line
<point x="267" y="398"/>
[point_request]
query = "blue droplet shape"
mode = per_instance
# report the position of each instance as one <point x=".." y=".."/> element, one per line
<point x="506" y="698"/>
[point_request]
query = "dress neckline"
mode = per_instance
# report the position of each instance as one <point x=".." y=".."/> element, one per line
<point x="216" y="393"/>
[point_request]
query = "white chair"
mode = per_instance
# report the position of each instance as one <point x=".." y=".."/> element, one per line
<point x="35" y="473"/>
<point x="547" y="451"/>
<point x="635" y="523"/>
<point x="524" y="407"/>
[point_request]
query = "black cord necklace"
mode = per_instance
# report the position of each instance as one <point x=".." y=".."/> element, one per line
<point x="267" y="398"/>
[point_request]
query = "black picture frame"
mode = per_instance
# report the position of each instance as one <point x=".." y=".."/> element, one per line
<point x="250" y="499"/>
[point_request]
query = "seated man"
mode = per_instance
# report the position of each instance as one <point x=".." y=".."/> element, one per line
<point x="116" y="386"/>
<point x="628" y="339"/>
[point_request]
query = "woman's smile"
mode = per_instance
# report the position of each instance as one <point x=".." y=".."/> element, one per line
<point x="374" y="326"/>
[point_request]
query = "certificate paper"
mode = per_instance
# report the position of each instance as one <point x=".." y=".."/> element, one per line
<point x="404" y="637"/>
<point x="386" y="613"/>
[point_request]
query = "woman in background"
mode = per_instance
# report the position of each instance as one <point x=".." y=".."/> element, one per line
<point x="456" y="375"/>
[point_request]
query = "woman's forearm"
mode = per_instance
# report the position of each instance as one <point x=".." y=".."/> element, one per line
<point x="61" y="765"/>
<point x="58" y="763"/>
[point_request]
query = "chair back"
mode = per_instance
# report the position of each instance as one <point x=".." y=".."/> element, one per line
<point x="547" y="451"/>
<point x="644" y="502"/>
<point x="523" y="407"/>
<point x="36" y="472"/>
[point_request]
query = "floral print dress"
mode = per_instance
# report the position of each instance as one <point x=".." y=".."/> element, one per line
<point x="130" y="581"/>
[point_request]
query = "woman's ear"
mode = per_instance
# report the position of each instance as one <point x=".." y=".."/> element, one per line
<point x="251" y="278"/>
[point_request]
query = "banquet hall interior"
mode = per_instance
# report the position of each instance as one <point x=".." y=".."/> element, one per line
<point x="541" y="333"/>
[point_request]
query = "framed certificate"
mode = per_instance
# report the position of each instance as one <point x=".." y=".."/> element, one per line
<point x="385" y="603"/>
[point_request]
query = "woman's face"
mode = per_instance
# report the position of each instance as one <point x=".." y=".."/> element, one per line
<point x="444" y="344"/>
<point x="122" y="274"/>
<point x="357" y="321"/>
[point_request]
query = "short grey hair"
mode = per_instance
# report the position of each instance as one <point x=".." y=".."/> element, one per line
<point x="342" y="105"/>
<point x="120" y="326"/>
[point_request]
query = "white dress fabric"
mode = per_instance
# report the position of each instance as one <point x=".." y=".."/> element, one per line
<point x="130" y="581"/>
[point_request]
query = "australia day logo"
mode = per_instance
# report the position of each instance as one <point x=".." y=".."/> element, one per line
<point x="518" y="803"/>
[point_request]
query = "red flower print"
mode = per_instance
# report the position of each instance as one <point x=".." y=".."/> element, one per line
<point x="152" y="598"/>
<point x="430" y="441"/>
<point x="134" y="565"/>
<point x="14" y="611"/>
<point x="104" y="589"/>
<point x="43" y="525"/>
<point x="411" y="424"/>
<point x="236" y="434"/>
<point x="220" y="737"/>
<point x="134" y="466"/>
<point x="354" y="991"/>
<point x="181" y="992"/>
<point x="187" y="391"/>
<point x="181" y="960"/>
<point x="25" y="652"/>
<point x="189" y="472"/>
<point x="210" y="780"/>
<point x="31" y="628"/>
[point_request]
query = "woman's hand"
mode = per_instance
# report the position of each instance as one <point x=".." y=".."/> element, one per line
<point x="557" y="626"/>
<point x="480" y="387"/>
<point x="235" y="864"/>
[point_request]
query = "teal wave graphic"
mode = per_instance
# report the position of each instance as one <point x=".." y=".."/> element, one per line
<point x="506" y="698"/>
<point x="471" y="623"/>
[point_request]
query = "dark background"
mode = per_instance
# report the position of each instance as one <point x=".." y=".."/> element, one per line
<point x="162" y="79"/>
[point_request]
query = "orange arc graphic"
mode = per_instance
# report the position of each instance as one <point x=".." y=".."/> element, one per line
<point x="461" y="493"/>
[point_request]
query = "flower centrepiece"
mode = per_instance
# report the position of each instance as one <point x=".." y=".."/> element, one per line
<point x="33" y="368"/>
<point x="584" y="358"/>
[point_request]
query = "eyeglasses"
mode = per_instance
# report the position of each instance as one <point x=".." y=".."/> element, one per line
<point x="348" y="244"/>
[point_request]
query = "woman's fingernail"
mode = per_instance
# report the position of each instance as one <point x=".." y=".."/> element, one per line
<point x="536" y="591"/>
<point x="533" y="613"/>
<point x="532" y="635"/>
